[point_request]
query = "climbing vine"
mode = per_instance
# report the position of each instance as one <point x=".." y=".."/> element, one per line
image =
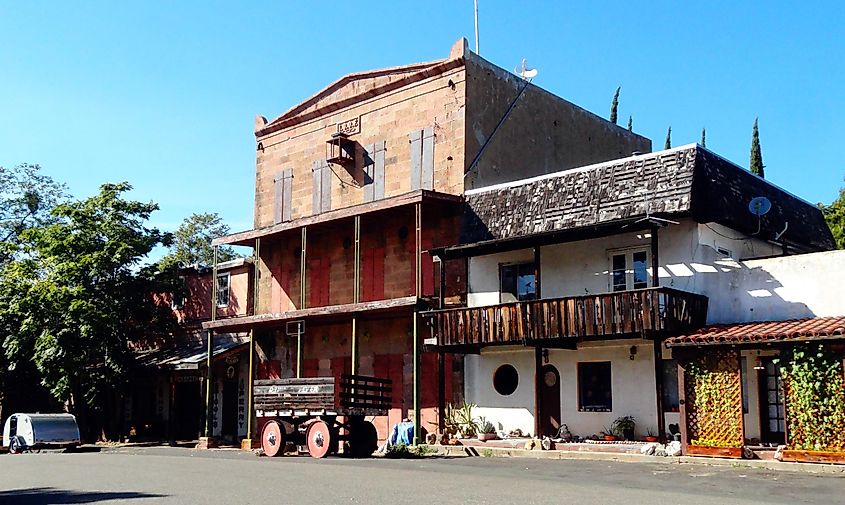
<point x="814" y="389"/>
<point x="714" y="393"/>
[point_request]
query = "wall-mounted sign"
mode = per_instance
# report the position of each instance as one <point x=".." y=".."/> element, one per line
<point x="186" y="378"/>
<point x="350" y="127"/>
<point x="231" y="360"/>
<point x="294" y="328"/>
<point x="230" y="372"/>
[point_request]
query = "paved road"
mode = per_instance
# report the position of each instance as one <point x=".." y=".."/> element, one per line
<point x="185" y="476"/>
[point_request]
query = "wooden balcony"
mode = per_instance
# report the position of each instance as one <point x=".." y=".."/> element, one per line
<point x="560" y="322"/>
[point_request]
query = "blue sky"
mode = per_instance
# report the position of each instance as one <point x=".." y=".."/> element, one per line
<point x="163" y="94"/>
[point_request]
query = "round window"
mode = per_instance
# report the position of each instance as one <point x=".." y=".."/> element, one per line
<point x="505" y="380"/>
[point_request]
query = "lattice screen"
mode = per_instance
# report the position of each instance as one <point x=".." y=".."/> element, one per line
<point x="713" y="387"/>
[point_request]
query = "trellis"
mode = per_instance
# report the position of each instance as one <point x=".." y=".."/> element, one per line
<point x="713" y="403"/>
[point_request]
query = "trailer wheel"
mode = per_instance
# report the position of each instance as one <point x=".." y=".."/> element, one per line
<point x="363" y="439"/>
<point x="17" y="445"/>
<point x="321" y="439"/>
<point x="273" y="439"/>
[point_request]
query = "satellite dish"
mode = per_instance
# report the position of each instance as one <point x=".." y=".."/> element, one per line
<point x="525" y="72"/>
<point x="759" y="206"/>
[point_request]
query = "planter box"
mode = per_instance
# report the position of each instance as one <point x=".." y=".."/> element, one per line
<point x="814" y="457"/>
<point x="714" y="452"/>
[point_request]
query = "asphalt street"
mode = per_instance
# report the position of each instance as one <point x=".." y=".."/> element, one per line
<point x="186" y="476"/>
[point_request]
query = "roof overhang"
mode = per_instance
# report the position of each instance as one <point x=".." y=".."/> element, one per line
<point x="192" y="357"/>
<point x="763" y="333"/>
<point x="247" y="238"/>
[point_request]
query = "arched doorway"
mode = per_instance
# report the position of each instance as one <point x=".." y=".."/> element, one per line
<point x="549" y="400"/>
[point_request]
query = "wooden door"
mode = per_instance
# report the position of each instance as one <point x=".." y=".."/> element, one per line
<point x="549" y="400"/>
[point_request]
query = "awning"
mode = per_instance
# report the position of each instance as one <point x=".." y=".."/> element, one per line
<point x="191" y="357"/>
<point x="795" y="330"/>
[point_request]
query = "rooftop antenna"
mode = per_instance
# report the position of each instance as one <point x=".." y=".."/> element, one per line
<point x="525" y="72"/>
<point x="475" y="2"/>
<point x="760" y="206"/>
<point x="657" y="221"/>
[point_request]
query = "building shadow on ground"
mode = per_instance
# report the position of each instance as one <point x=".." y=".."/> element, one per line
<point x="51" y="496"/>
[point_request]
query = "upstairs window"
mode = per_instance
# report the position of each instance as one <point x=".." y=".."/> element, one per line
<point x="629" y="270"/>
<point x="223" y="290"/>
<point x="517" y="282"/>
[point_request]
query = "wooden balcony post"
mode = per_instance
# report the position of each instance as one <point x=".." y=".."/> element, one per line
<point x="538" y="383"/>
<point x="659" y="386"/>
<point x="209" y="354"/>
<point x="682" y="406"/>
<point x="356" y="292"/>
<point x="441" y="391"/>
<point x="250" y="383"/>
<point x="416" y="336"/>
<point x="537" y="291"/>
<point x="302" y="266"/>
<point x="655" y="268"/>
<point x="256" y="275"/>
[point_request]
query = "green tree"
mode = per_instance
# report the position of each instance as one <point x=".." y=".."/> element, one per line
<point x="614" y="105"/>
<point x="630" y="123"/>
<point x="703" y="137"/>
<point x="26" y="198"/>
<point x="192" y="241"/>
<point x="756" y="166"/>
<point x="834" y="214"/>
<point x="81" y="295"/>
<point x="668" y="143"/>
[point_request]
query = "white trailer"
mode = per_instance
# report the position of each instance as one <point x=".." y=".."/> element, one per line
<point x="34" y="431"/>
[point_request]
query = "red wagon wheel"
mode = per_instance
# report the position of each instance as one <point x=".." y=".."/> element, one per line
<point x="273" y="439"/>
<point x="362" y="439"/>
<point x="321" y="439"/>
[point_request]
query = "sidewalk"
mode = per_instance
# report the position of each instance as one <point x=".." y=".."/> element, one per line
<point x="499" y="452"/>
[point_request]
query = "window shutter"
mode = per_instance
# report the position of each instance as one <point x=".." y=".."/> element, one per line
<point x="369" y="172"/>
<point x="317" y="190"/>
<point x="427" y="175"/>
<point x="416" y="158"/>
<point x="282" y="196"/>
<point x="378" y="176"/>
<point x="326" y="186"/>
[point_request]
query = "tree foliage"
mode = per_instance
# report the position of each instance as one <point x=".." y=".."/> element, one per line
<point x="77" y="294"/>
<point x="703" y="137"/>
<point x="834" y="214"/>
<point x="668" y="143"/>
<point x="192" y="241"/>
<point x="614" y="105"/>
<point x="630" y="123"/>
<point x="756" y="165"/>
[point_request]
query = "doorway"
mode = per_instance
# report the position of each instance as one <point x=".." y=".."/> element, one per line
<point x="549" y="400"/>
<point x="229" y="414"/>
<point x="772" y="424"/>
<point x="188" y="410"/>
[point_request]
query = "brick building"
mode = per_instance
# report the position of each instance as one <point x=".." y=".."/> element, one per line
<point x="353" y="187"/>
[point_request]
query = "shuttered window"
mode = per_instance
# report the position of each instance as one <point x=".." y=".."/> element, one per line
<point x="422" y="158"/>
<point x="374" y="171"/>
<point x="322" y="190"/>
<point x="372" y="274"/>
<point x="318" y="282"/>
<point x="282" y="196"/>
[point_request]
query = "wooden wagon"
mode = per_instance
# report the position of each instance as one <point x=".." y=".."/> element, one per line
<point x="318" y="413"/>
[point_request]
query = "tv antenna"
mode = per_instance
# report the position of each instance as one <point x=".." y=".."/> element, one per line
<point x="658" y="221"/>
<point x="524" y="71"/>
<point x="759" y="206"/>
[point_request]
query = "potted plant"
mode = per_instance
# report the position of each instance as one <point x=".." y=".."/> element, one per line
<point x="625" y="426"/>
<point x="609" y="433"/>
<point x="467" y="424"/>
<point x="486" y="430"/>
<point x="650" y="436"/>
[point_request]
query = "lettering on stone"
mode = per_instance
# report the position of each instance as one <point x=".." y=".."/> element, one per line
<point x="350" y="127"/>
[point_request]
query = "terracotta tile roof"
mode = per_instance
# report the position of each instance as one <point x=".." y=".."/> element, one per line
<point x="763" y="332"/>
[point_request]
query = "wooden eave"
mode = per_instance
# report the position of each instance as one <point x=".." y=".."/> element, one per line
<point x="327" y="313"/>
<point x="246" y="238"/>
<point x="295" y="115"/>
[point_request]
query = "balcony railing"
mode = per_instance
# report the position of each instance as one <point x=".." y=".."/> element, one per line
<point x="649" y="312"/>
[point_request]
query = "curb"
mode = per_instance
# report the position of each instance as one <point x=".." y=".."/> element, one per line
<point x="499" y="452"/>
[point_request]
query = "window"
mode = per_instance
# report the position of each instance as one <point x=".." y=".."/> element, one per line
<point x="629" y="270"/>
<point x="177" y="301"/>
<point x="223" y="290"/>
<point x="594" y="387"/>
<point x="517" y="282"/>
<point x="505" y="380"/>
<point x="670" y="386"/>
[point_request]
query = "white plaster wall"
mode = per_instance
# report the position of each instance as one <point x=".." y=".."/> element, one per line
<point x="632" y="382"/>
<point x="483" y="275"/>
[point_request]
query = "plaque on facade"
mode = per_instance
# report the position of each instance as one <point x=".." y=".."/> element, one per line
<point x="350" y="127"/>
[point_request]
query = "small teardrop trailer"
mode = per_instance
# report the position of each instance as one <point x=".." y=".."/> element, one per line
<point x="24" y="432"/>
<point x="317" y="413"/>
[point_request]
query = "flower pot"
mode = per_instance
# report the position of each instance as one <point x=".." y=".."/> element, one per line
<point x="609" y="438"/>
<point x="651" y="439"/>
<point x="487" y="436"/>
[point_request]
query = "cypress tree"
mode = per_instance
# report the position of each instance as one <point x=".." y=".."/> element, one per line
<point x="703" y="137"/>
<point x="630" y="124"/>
<point x="614" y="105"/>
<point x="756" y="166"/>
<point x="668" y="144"/>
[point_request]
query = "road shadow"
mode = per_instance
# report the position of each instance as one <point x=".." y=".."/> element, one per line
<point x="51" y="496"/>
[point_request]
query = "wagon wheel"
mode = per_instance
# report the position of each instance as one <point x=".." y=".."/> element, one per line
<point x="362" y="440"/>
<point x="273" y="439"/>
<point x="17" y="445"/>
<point x="321" y="439"/>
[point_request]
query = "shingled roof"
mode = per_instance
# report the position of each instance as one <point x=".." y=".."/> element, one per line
<point x="794" y="330"/>
<point x="687" y="181"/>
